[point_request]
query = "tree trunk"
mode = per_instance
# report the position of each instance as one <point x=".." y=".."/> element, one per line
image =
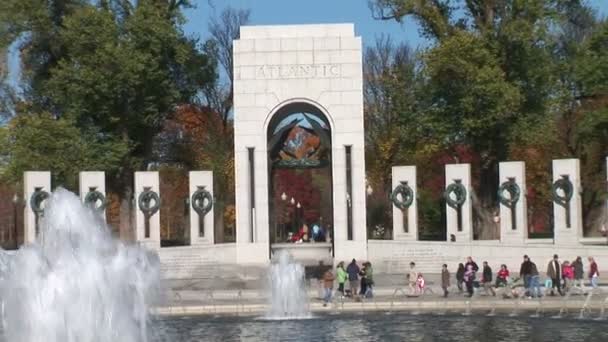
<point x="219" y="224"/>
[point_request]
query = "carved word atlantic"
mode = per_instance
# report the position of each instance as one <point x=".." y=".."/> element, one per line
<point x="297" y="71"/>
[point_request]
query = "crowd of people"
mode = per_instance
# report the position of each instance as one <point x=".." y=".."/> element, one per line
<point x="561" y="277"/>
<point x="360" y="281"/>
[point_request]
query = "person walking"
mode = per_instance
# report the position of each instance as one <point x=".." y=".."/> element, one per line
<point x="341" y="276"/>
<point x="472" y="263"/>
<point x="534" y="282"/>
<point x="487" y="279"/>
<point x="368" y="278"/>
<point x="469" y="278"/>
<point x="554" y="272"/>
<point x="460" y="276"/>
<point x="567" y="275"/>
<point x="525" y="272"/>
<point x="594" y="273"/>
<point x="328" y="284"/>
<point x="362" y="283"/>
<point x="579" y="272"/>
<point x="353" y="277"/>
<point x="367" y="275"/>
<point x="412" y="278"/>
<point x="445" y="280"/>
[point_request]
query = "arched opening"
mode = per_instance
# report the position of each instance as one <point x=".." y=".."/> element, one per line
<point x="300" y="175"/>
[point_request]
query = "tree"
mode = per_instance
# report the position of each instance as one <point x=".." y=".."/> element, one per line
<point x="218" y="95"/>
<point x="588" y="112"/>
<point x="118" y="67"/>
<point x="511" y="80"/>
<point x="194" y="138"/>
<point x="114" y="70"/>
<point x="42" y="142"/>
<point x="390" y="120"/>
<point x="37" y="24"/>
<point x="212" y="145"/>
<point x="125" y="77"/>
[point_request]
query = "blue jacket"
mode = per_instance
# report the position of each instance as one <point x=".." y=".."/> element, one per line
<point x="353" y="271"/>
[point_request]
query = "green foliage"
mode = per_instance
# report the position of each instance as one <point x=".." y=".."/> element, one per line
<point x="111" y="73"/>
<point x="41" y="142"/>
<point x="432" y="214"/>
<point x="467" y="92"/>
<point x="591" y="66"/>
<point x="513" y="79"/>
<point x="124" y="77"/>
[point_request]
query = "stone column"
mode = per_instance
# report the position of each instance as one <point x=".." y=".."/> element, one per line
<point x="32" y="181"/>
<point x="92" y="181"/>
<point x="461" y="173"/>
<point x="513" y="232"/>
<point x="567" y="171"/>
<point x="405" y="176"/>
<point x="251" y="217"/>
<point x="147" y="180"/>
<point x="201" y="182"/>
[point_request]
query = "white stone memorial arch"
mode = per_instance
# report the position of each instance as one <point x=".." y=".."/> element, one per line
<point x="312" y="65"/>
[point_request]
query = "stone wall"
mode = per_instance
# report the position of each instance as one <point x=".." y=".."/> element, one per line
<point x="394" y="256"/>
<point x="196" y="262"/>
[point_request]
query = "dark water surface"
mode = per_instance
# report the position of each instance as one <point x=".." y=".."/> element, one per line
<point x="380" y="327"/>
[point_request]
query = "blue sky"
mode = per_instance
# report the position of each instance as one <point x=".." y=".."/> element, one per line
<point x="269" y="12"/>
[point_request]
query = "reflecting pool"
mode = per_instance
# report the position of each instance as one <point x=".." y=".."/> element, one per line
<point x="380" y="327"/>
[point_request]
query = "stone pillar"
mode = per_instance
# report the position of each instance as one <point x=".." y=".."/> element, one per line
<point x="32" y="181"/>
<point x="92" y="181"/>
<point x="143" y="181"/>
<point x="346" y="248"/>
<point x="562" y="234"/>
<point x="201" y="181"/>
<point x="406" y="176"/>
<point x="462" y="173"/>
<point x="251" y="202"/>
<point x="513" y="233"/>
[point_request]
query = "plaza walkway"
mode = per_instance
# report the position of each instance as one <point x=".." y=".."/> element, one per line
<point x="193" y="300"/>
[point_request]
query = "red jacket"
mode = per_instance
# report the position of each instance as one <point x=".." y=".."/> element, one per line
<point x="568" y="272"/>
<point x="503" y="274"/>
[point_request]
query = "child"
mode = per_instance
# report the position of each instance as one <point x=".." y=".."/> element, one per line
<point x="445" y="280"/>
<point x="420" y="284"/>
<point x="502" y="276"/>
<point x="548" y="285"/>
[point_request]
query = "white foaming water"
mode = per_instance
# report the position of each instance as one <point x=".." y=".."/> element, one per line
<point x="288" y="297"/>
<point x="76" y="283"/>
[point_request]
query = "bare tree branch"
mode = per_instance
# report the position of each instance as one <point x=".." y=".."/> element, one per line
<point x="223" y="32"/>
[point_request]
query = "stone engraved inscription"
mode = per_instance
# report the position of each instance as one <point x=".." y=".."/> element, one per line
<point x="297" y="71"/>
